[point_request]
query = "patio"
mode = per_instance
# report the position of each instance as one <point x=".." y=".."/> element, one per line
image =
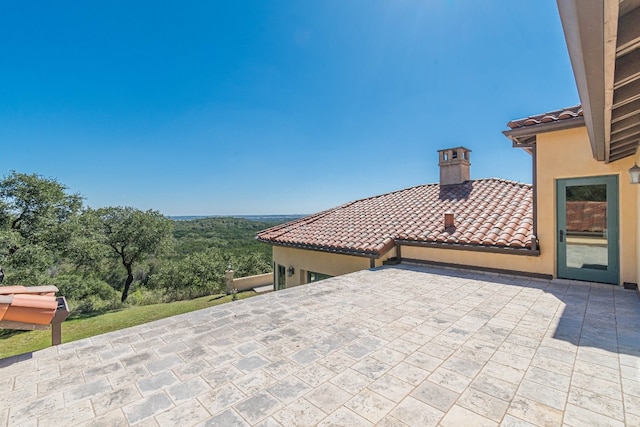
<point x="395" y="346"/>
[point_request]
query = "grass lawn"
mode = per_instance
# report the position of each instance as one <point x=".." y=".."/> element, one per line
<point x="74" y="329"/>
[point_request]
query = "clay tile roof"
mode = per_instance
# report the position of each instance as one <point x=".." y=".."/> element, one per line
<point x="488" y="212"/>
<point x="552" y="116"/>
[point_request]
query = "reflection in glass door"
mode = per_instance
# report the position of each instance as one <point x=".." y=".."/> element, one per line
<point x="587" y="235"/>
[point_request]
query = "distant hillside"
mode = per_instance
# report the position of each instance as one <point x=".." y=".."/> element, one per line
<point x="234" y="235"/>
<point x="278" y="219"/>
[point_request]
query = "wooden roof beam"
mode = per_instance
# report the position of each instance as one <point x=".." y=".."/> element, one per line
<point x="627" y="70"/>
<point x="626" y="110"/>
<point x="625" y="134"/>
<point x="623" y="154"/>
<point x="628" y="33"/>
<point x="628" y="123"/>
<point x="631" y="143"/>
<point x="627" y="93"/>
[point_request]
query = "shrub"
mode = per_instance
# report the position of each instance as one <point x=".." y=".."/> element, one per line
<point x="78" y="288"/>
<point x="145" y="296"/>
<point x="93" y="304"/>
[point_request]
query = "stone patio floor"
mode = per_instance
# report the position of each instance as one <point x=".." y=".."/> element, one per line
<point x="396" y="346"/>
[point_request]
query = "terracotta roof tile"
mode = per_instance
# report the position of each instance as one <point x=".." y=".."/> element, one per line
<point x="488" y="212"/>
<point x="553" y="116"/>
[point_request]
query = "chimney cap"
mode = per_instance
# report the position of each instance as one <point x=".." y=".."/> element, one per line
<point x="455" y="148"/>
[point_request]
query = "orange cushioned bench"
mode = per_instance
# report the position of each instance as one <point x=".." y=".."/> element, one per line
<point x="31" y="305"/>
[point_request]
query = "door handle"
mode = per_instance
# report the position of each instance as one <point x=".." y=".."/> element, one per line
<point x="561" y="236"/>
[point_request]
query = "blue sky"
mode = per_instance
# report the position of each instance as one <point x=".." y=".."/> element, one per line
<point x="270" y="107"/>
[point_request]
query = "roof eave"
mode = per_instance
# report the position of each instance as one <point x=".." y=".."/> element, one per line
<point x="408" y="242"/>
<point x="524" y="137"/>
<point x="590" y="30"/>
<point x="320" y="248"/>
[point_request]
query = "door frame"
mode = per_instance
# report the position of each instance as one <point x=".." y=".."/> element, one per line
<point x="612" y="273"/>
<point x="282" y="277"/>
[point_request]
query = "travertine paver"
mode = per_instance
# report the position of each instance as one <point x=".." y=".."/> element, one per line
<point x="395" y="346"/>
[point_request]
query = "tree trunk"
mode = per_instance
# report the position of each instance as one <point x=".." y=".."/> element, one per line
<point x="127" y="284"/>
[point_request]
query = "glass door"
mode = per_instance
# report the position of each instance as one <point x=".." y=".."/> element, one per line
<point x="282" y="277"/>
<point x="587" y="234"/>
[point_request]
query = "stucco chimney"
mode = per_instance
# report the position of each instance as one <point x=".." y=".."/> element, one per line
<point x="454" y="165"/>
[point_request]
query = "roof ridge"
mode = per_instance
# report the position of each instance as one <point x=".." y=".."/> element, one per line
<point x="427" y="185"/>
<point x="317" y="216"/>
<point x="302" y="221"/>
<point x="505" y="180"/>
<point x="387" y="193"/>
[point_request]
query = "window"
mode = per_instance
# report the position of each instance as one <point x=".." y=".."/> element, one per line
<point x="316" y="277"/>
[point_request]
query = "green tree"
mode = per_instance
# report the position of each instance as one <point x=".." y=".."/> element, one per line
<point x="203" y="273"/>
<point x="132" y="234"/>
<point x="195" y="275"/>
<point x="34" y="211"/>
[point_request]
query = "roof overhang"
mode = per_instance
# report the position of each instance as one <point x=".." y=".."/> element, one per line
<point x="603" y="39"/>
<point x="525" y="137"/>
<point x="333" y="250"/>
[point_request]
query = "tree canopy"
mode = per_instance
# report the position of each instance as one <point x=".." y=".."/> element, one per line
<point x="132" y="234"/>
<point x="48" y="237"/>
<point x="34" y="211"/>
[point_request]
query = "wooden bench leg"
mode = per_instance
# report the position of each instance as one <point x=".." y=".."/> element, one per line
<point x="56" y="334"/>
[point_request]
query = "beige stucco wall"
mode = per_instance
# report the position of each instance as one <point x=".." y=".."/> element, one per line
<point x="567" y="154"/>
<point x="319" y="262"/>
<point x="492" y="260"/>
